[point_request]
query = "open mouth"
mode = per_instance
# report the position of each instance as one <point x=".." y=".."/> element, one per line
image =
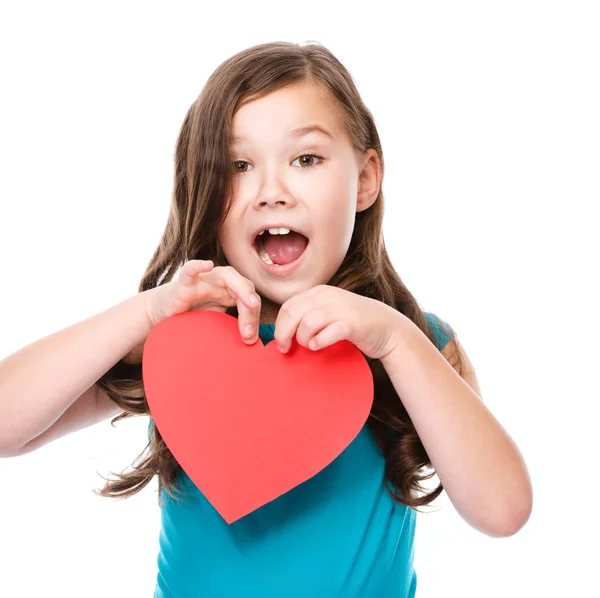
<point x="280" y="246"/>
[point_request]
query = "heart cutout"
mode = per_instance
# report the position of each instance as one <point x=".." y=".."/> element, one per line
<point x="248" y="423"/>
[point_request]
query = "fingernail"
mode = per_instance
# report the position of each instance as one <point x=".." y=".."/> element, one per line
<point x="252" y="299"/>
<point x="248" y="330"/>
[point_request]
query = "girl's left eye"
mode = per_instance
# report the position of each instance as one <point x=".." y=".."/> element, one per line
<point x="236" y="163"/>
<point x="309" y="156"/>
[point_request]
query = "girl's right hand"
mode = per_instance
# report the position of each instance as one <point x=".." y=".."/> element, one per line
<point x="200" y="285"/>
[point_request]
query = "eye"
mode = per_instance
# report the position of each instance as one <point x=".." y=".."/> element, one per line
<point x="235" y="164"/>
<point x="308" y="156"/>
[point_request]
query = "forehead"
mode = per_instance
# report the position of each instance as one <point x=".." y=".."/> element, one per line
<point x="292" y="111"/>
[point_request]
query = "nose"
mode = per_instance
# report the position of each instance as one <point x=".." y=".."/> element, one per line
<point x="273" y="193"/>
<point x="264" y="201"/>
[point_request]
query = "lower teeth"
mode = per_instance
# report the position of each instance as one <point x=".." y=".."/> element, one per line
<point x="264" y="256"/>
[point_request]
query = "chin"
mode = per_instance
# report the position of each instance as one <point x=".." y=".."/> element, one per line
<point x="280" y="292"/>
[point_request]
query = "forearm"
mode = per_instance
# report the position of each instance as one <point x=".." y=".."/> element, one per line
<point x="41" y="380"/>
<point x="478" y="463"/>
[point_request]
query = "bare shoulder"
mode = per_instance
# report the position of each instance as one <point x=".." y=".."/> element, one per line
<point x="88" y="409"/>
<point x="449" y="352"/>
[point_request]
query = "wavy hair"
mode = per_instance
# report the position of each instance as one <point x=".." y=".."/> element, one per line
<point x="198" y="207"/>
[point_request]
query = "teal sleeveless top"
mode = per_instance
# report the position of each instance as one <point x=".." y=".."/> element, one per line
<point x="337" y="535"/>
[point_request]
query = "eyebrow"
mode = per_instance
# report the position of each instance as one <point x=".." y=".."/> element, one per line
<point x="296" y="133"/>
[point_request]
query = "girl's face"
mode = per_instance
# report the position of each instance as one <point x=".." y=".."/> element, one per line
<point x="273" y="184"/>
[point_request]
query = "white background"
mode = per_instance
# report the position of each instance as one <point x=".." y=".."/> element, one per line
<point x="489" y="118"/>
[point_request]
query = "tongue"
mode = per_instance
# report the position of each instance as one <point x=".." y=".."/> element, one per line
<point x="284" y="249"/>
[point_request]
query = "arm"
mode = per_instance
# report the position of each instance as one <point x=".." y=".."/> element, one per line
<point x="41" y="381"/>
<point x="93" y="406"/>
<point x="477" y="462"/>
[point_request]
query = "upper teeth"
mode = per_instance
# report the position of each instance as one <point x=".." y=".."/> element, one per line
<point x="276" y="231"/>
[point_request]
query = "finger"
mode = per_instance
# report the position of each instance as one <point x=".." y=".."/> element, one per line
<point x="289" y="317"/>
<point x="212" y="296"/>
<point x="189" y="273"/>
<point x="248" y="321"/>
<point x="312" y="323"/>
<point x="286" y="324"/>
<point x="248" y="302"/>
<point x="240" y="286"/>
<point x="336" y="331"/>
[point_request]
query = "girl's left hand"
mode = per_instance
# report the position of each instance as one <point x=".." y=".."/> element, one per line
<point x="326" y="314"/>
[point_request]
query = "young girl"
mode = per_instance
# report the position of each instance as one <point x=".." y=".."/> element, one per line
<point x="276" y="219"/>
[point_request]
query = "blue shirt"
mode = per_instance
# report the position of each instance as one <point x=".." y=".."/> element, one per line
<point x="337" y="535"/>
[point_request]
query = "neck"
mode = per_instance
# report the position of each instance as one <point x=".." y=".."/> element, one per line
<point x="268" y="311"/>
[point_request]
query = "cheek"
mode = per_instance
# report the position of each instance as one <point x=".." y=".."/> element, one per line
<point x="229" y="228"/>
<point x="345" y="234"/>
<point x="336" y="237"/>
<point x="338" y="216"/>
<point x="227" y="234"/>
<point x="227" y="247"/>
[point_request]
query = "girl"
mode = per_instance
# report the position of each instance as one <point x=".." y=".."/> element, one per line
<point x="276" y="219"/>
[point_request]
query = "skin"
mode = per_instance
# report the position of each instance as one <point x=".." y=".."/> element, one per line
<point x="273" y="183"/>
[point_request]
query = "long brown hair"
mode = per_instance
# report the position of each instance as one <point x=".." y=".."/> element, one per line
<point x="198" y="207"/>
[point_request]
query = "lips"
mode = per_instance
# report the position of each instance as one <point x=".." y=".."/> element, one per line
<point x="278" y="269"/>
<point x="275" y="269"/>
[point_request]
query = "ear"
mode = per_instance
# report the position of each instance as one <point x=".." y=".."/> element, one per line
<point x="369" y="179"/>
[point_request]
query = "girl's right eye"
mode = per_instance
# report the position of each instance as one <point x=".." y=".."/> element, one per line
<point x="236" y="163"/>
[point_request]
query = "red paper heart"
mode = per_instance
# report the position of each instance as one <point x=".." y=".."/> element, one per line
<point x="248" y="423"/>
